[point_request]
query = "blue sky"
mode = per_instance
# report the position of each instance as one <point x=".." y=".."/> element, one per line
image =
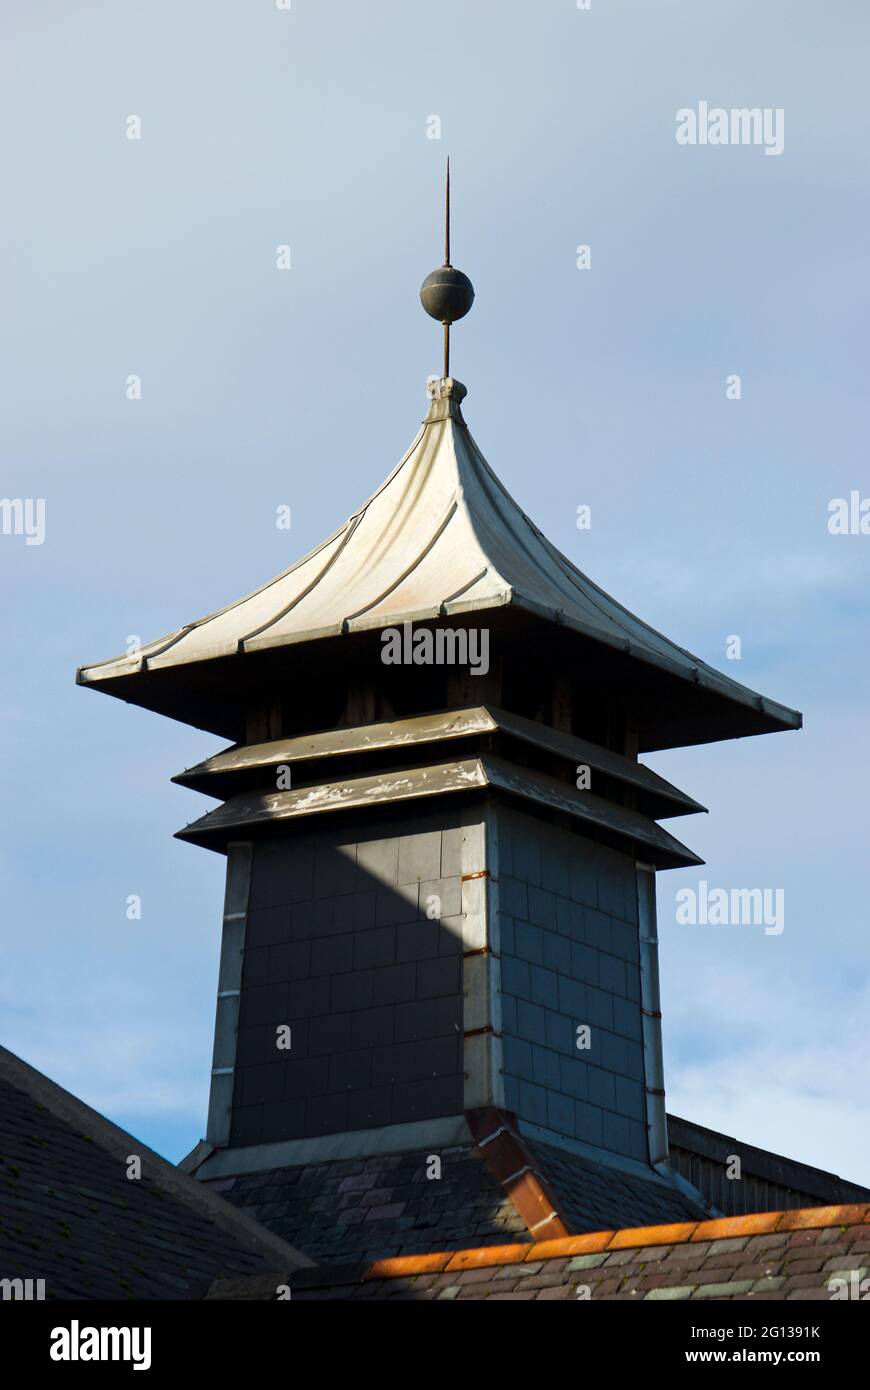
<point x="308" y="127"/>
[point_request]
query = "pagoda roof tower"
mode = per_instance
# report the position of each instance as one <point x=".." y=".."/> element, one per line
<point x="441" y="853"/>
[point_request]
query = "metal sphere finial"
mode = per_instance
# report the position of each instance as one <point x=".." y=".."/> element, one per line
<point x="447" y="294"/>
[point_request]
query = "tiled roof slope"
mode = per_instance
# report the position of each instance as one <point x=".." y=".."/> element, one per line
<point x="356" y="1209"/>
<point x="782" y="1256"/>
<point x="70" y="1215"/>
<point x="363" y="1209"/>
<point x="592" y="1197"/>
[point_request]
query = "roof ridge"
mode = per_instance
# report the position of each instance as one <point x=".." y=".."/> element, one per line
<point x="513" y="1166"/>
<point x="628" y="1238"/>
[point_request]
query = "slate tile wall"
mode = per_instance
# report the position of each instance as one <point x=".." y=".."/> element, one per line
<point x="570" y="956"/>
<point x="340" y="948"/>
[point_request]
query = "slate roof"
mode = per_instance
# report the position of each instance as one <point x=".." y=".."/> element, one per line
<point x="772" y="1256"/>
<point x="363" y="1208"/>
<point x="440" y="537"/>
<point x="592" y="1197"/>
<point x="367" y="1208"/>
<point x="69" y="1214"/>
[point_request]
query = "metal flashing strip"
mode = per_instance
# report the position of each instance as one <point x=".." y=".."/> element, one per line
<point x="358" y="1143"/>
<point x="552" y="1220"/>
<point x="226" y="1028"/>
<point x="481" y="967"/>
<point x="651" y="1017"/>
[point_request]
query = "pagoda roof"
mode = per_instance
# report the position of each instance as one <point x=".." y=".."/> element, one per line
<point x="440" y="537"/>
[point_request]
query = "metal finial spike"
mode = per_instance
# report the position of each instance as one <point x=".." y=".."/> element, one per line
<point x="447" y="294"/>
<point x="447" y="266"/>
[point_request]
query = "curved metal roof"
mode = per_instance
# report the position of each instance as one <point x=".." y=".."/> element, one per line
<point x="441" y="536"/>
